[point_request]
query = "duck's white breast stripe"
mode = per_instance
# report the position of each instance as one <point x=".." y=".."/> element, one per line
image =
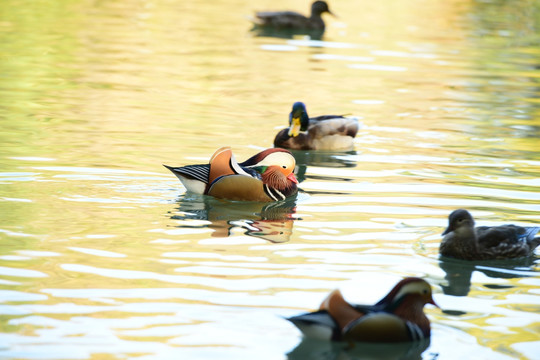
<point x="271" y="192"/>
<point x="415" y="331"/>
<point x="279" y="193"/>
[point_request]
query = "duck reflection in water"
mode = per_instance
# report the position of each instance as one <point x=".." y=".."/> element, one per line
<point x="459" y="272"/>
<point x="326" y="350"/>
<point x="323" y="159"/>
<point x="269" y="221"/>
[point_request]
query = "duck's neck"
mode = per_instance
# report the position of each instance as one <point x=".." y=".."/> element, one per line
<point x="275" y="179"/>
<point x="461" y="243"/>
<point x="412" y="309"/>
<point x="466" y="239"/>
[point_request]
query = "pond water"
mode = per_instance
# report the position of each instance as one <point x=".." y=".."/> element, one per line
<point x="103" y="255"/>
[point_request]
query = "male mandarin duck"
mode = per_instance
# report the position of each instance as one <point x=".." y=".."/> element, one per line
<point x="397" y="317"/>
<point x="326" y="132"/>
<point x="462" y="240"/>
<point x="290" y="20"/>
<point x="266" y="176"/>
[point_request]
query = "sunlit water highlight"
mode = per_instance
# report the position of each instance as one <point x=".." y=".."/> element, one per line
<point x="103" y="255"/>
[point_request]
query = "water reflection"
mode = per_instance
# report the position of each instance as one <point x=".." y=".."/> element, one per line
<point x="269" y="221"/>
<point x="330" y="159"/>
<point x="326" y="350"/>
<point x="459" y="272"/>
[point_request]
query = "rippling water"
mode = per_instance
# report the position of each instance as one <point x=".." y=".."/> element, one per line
<point x="102" y="254"/>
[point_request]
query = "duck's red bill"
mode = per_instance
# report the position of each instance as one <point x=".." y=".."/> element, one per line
<point x="292" y="178"/>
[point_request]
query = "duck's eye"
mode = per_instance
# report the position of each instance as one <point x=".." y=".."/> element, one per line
<point x="284" y="166"/>
<point x="424" y="291"/>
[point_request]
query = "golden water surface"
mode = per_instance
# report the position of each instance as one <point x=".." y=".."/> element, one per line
<point x="103" y="256"/>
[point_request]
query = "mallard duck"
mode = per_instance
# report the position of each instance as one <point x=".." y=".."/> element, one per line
<point x="290" y="20"/>
<point x="326" y="132"/>
<point x="397" y="317"/>
<point x="266" y="176"/>
<point x="463" y="240"/>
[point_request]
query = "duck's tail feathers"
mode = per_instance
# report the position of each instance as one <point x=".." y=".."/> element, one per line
<point x="197" y="172"/>
<point x="530" y="234"/>
<point x="317" y="325"/>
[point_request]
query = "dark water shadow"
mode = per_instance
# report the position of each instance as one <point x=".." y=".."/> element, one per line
<point x="459" y="272"/>
<point x="312" y="349"/>
<point x="269" y="221"/>
<point x="266" y="31"/>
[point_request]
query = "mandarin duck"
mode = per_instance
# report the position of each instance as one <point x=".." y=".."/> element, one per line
<point x="290" y="20"/>
<point x="266" y="176"/>
<point x="326" y="132"/>
<point x="397" y="317"/>
<point x="462" y="240"/>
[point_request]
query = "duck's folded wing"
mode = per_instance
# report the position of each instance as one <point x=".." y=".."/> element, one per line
<point x="345" y="126"/>
<point x="530" y="233"/>
<point x="490" y="236"/>
<point x="366" y="309"/>
<point x="326" y="117"/>
<point x="279" y="16"/>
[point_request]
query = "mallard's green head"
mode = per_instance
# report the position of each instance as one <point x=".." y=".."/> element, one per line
<point x="298" y="119"/>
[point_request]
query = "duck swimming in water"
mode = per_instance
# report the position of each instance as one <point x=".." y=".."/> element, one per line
<point x="462" y="240"/>
<point x="398" y="317"/>
<point x="266" y="176"/>
<point x="290" y="20"/>
<point x="326" y="132"/>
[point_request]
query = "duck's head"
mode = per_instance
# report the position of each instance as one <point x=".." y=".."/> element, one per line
<point x="319" y="7"/>
<point x="411" y="286"/>
<point x="298" y="119"/>
<point x="459" y="219"/>
<point x="273" y="161"/>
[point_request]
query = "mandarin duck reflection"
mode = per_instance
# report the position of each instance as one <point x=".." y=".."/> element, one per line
<point x="326" y="132"/>
<point x="290" y="20"/>
<point x="462" y="240"/>
<point x="398" y="317"/>
<point x="271" y="221"/>
<point x="266" y="176"/>
<point x="314" y="349"/>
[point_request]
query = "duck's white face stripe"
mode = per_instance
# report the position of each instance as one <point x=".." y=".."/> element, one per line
<point x="278" y="159"/>
<point x="416" y="287"/>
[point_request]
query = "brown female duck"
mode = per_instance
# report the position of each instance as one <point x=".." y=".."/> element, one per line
<point x="462" y="240"/>
<point x="290" y="20"/>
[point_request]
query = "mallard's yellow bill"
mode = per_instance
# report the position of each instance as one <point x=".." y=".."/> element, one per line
<point x="294" y="130"/>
